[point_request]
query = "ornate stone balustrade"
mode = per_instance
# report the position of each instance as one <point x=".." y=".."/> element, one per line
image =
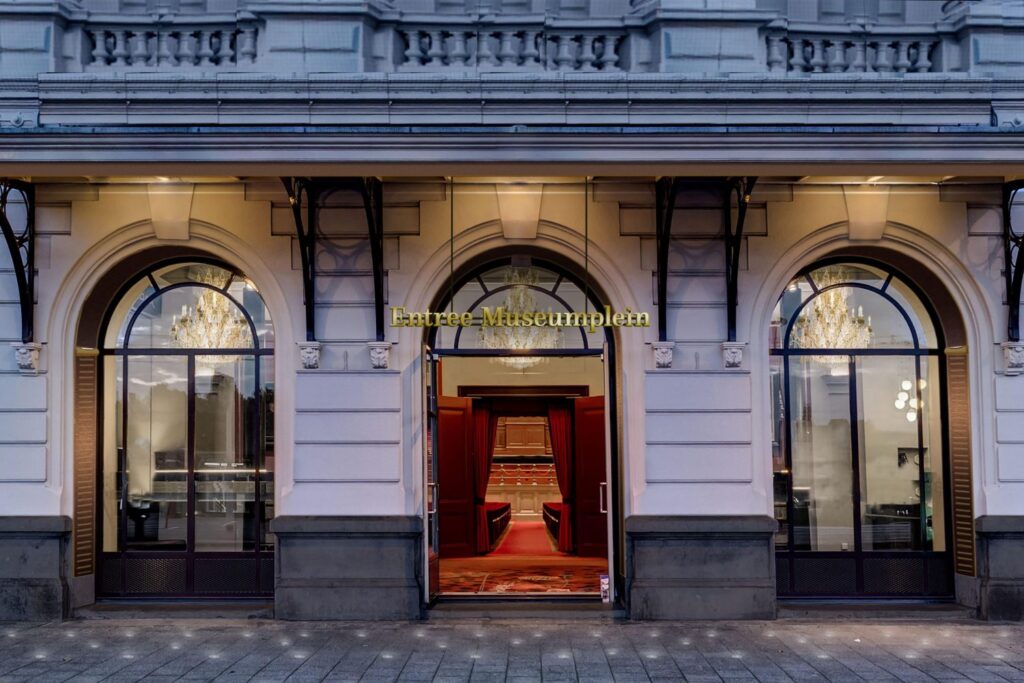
<point x="857" y="50"/>
<point x="520" y="47"/>
<point x="177" y="42"/>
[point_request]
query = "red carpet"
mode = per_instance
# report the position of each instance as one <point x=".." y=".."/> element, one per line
<point x="526" y="538"/>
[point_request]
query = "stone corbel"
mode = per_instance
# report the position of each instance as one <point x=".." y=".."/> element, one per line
<point x="380" y="354"/>
<point x="732" y="354"/>
<point x="309" y="354"/>
<point x="1013" y="357"/>
<point x="26" y="355"/>
<point x="663" y="352"/>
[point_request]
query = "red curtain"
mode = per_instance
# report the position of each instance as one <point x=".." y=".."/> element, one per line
<point x="485" y="432"/>
<point x="560" y="424"/>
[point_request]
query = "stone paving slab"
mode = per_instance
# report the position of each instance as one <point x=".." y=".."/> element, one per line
<point x="485" y="651"/>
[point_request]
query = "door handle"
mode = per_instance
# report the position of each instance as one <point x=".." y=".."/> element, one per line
<point x="602" y="495"/>
<point x="432" y="502"/>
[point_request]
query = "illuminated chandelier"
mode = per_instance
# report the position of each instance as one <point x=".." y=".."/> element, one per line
<point x="830" y="322"/>
<point x="519" y="299"/>
<point x="214" y="323"/>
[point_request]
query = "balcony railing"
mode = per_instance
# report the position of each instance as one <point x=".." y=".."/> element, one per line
<point x="857" y="50"/>
<point x="522" y="47"/>
<point x="184" y="42"/>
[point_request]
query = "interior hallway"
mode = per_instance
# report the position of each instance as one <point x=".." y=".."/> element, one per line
<point x="525" y="561"/>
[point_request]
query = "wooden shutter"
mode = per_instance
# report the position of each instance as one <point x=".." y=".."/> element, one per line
<point x="961" y="476"/>
<point x="83" y="535"/>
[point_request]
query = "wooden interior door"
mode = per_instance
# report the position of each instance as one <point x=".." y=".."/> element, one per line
<point x="590" y="474"/>
<point x="456" y="520"/>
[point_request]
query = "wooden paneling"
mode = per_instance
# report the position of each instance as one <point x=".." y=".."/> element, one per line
<point x="85" y="455"/>
<point x="522" y="436"/>
<point x="961" y="479"/>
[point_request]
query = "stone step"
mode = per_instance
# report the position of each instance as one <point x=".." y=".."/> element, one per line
<point x="875" y="610"/>
<point x="524" y="608"/>
<point x="195" y="609"/>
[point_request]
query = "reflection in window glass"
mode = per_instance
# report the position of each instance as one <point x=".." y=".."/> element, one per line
<point x="155" y="453"/>
<point x="819" y="409"/>
<point x="226" y="442"/>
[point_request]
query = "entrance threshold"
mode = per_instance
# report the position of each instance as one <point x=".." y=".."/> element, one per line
<point x="177" y="609"/>
<point x="940" y="610"/>
<point x="536" y="608"/>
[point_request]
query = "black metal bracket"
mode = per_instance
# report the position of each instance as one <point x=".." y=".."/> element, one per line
<point x="306" y="196"/>
<point x="303" y="199"/>
<point x="19" y="235"/>
<point x="1013" y="241"/>
<point x="733" y="237"/>
<point x="666" y="190"/>
<point x="373" y="205"/>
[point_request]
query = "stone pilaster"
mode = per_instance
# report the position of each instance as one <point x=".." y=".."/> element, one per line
<point x="1001" y="567"/>
<point x="707" y="567"/>
<point x="33" y="568"/>
<point x="348" y="567"/>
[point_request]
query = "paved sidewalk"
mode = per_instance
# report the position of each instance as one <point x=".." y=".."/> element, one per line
<point x="527" y="650"/>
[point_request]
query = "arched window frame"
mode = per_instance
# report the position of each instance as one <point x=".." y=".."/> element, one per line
<point x="122" y="350"/>
<point x="562" y="274"/>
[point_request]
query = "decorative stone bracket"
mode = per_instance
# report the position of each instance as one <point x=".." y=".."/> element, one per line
<point x="380" y="354"/>
<point x="663" y="351"/>
<point x="26" y="355"/>
<point x="732" y="354"/>
<point x="1013" y="357"/>
<point x="309" y="354"/>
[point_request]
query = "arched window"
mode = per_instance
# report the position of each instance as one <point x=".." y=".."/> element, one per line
<point x="187" y="437"/>
<point x="858" y="453"/>
<point x="519" y="285"/>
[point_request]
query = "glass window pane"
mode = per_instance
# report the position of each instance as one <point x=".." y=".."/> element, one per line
<point x="889" y="406"/>
<point x="226" y="449"/>
<point x="934" y="482"/>
<point x="123" y="312"/>
<point x="191" y="318"/>
<point x="267" y="539"/>
<point x="850" y="318"/>
<point x="819" y="413"/>
<point x="780" y="473"/>
<point x="192" y="272"/>
<point x="113" y="406"/>
<point x="156" y="467"/>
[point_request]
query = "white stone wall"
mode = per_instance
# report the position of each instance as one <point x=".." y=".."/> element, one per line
<point x="695" y="438"/>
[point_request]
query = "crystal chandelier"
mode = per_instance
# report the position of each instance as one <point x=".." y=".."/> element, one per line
<point x="214" y="323"/>
<point x="519" y="299"/>
<point x="830" y="322"/>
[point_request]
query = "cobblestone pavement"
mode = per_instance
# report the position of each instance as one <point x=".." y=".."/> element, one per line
<point x="527" y="650"/>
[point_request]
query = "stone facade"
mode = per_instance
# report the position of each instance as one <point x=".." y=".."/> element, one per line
<point x="883" y="127"/>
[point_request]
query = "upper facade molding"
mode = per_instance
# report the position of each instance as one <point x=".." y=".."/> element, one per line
<point x="795" y="38"/>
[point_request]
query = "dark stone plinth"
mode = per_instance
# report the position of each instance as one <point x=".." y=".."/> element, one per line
<point x="1001" y="567"/>
<point x="708" y="567"/>
<point x="33" y="568"/>
<point x="348" y="567"/>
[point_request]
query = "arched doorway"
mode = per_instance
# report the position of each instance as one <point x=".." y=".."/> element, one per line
<point x="860" y="449"/>
<point x="185" y="439"/>
<point x="488" y="388"/>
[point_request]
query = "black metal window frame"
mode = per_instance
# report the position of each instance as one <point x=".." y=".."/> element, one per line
<point x="930" y="560"/>
<point x="124" y="352"/>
